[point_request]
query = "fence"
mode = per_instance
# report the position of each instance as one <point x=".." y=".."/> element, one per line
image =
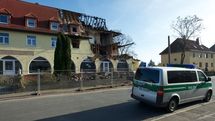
<point x="41" y="80"/>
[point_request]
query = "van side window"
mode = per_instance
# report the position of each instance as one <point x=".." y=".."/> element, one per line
<point x="181" y="76"/>
<point x="201" y="76"/>
<point x="147" y="75"/>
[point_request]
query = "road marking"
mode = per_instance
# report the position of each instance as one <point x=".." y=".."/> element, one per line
<point x="183" y="110"/>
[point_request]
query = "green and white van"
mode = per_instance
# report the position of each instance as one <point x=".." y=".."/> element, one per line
<point x="170" y="86"/>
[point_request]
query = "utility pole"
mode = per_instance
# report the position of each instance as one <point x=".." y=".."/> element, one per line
<point x="169" y="50"/>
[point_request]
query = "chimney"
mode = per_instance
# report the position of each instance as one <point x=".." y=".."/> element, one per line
<point x="197" y="40"/>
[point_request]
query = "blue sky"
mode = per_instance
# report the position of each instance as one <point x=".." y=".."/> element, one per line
<point x="147" y="22"/>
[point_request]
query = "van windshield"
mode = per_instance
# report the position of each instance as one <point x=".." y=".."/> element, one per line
<point x="147" y="75"/>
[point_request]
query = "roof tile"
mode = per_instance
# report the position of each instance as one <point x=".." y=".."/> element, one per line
<point x="177" y="46"/>
<point x="19" y="9"/>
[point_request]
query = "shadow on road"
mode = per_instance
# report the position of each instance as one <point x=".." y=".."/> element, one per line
<point x="129" y="111"/>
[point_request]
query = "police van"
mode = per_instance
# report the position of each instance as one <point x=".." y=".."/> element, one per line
<point x="170" y="86"/>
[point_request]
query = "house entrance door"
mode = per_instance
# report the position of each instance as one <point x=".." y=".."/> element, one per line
<point x="106" y="66"/>
<point x="8" y="67"/>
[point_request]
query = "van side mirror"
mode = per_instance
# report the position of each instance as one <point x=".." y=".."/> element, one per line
<point x="208" y="79"/>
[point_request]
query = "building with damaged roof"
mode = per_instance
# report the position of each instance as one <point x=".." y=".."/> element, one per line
<point x="28" y="35"/>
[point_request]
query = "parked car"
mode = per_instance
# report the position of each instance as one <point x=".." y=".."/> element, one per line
<point x="170" y="86"/>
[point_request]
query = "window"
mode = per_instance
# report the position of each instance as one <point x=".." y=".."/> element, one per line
<point x="200" y="55"/>
<point x="54" y="26"/>
<point x="31" y="40"/>
<point x="147" y="75"/>
<point x="53" y="42"/>
<point x="122" y="66"/>
<point x="4" y="38"/>
<point x="212" y="65"/>
<point x="194" y="55"/>
<point x="31" y="23"/>
<point x="74" y="29"/>
<point x="39" y="63"/>
<point x="200" y="64"/>
<point x="181" y="76"/>
<point x="4" y="19"/>
<point x="75" y="43"/>
<point x="206" y="65"/>
<point x="212" y="55"/>
<point x="10" y="66"/>
<point x="201" y="76"/>
<point x="206" y="55"/>
<point x="88" y="66"/>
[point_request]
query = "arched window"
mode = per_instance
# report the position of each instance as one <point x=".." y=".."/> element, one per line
<point x="122" y="66"/>
<point x="10" y="66"/>
<point x="39" y="63"/>
<point x="106" y="66"/>
<point x="88" y="66"/>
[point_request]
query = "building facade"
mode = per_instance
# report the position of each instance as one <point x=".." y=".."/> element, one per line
<point x="195" y="53"/>
<point x="28" y="36"/>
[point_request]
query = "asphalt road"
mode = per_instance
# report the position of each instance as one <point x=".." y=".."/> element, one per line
<point x="106" y="105"/>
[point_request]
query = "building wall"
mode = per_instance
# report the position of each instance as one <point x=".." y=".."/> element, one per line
<point x="18" y="49"/>
<point x="175" y="58"/>
<point x="17" y="42"/>
<point x="190" y="59"/>
<point x="203" y="60"/>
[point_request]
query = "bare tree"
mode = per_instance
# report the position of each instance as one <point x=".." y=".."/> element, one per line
<point x="187" y="27"/>
<point x="125" y="45"/>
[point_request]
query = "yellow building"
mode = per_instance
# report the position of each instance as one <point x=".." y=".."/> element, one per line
<point x="195" y="53"/>
<point x="28" y="40"/>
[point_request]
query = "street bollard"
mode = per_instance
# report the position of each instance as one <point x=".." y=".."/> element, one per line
<point x="38" y="82"/>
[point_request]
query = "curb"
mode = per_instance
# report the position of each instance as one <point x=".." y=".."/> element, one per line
<point x="56" y="91"/>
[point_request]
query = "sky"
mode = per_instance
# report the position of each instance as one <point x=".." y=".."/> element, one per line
<point x="147" y="22"/>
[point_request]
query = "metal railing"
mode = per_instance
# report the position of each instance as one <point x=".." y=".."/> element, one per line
<point x="37" y="82"/>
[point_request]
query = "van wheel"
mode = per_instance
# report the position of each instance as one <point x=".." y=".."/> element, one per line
<point x="208" y="96"/>
<point x="172" y="105"/>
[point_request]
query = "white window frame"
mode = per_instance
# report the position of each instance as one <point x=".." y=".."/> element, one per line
<point x="53" y="40"/>
<point x="7" y="19"/>
<point x="31" y="20"/>
<point x="8" y="71"/>
<point x="32" y="38"/>
<point x="4" y="37"/>
<point x="53" y="24"/>
<point x="106" y="66"/>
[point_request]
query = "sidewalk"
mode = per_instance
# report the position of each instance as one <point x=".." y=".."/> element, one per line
<point x="21" y="95"/>
<point x="198" y="112"/>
